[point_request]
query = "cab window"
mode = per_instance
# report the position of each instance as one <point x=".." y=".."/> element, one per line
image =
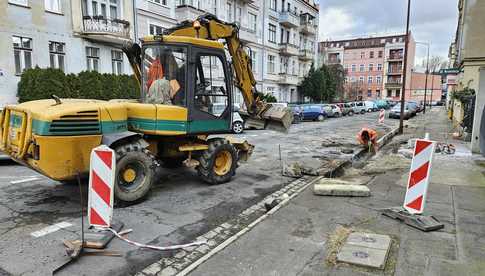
<point x="164" y="75"/>
<point x="211" y="94"/>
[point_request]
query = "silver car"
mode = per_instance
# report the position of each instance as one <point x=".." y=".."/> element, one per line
<point x="237" y="120"/>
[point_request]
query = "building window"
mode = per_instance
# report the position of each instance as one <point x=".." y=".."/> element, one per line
<point x="398" y="93"/>
<point x="272" y="5"/>
<point x="362" y="68"/>
<point x="378" y="79"/>
<point x="155" y="29"/>
<point x="362" y="55"/>
<point x="252" y="22"/>
<point x="92" y="59"/>
<point x="371" y="54"/>
<point x="379" y="67"/>
<point x="369" y="80"/>
<point x="253" y="54"/>
<point x="19" y="2"/>
<point x="353" y="67"/>
<point x="161" y="2"/>
<point x="369" y="93"/>
<point x="229" y="12"/>
<point x="378" y="93"/>
<point x="379" y="55"/>
<point x="271" y="64"/>
<point x="272" y="33"/>
<point x="389" y="93"/>
<point x="117" y="62"/>
<point x="53" y="5"/>
<point x="361" y="79"/>
<point x="371" y="67"/>
<point x="57" y="54"/>
<point x="22" y="52"/>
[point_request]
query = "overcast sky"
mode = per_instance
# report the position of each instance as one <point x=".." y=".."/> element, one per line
<point x="431" y="21"/>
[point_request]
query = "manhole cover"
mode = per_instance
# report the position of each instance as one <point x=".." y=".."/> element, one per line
<point x="368" y="239"/>
<point x="360" y="254"/>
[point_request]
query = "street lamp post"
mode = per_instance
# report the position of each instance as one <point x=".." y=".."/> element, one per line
<point x="403" y="92"/>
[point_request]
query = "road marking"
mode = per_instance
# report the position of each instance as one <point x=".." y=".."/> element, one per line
<point x="24" y="180"/>
<point x="50" y="229"/>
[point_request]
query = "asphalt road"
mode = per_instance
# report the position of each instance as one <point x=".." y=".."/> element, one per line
<point x="179" y="208"/>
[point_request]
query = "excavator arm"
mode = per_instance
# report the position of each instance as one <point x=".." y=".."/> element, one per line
<point x="259" y="113"/>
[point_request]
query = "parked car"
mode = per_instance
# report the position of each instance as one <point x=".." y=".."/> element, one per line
<point x="396" y="111"/>
<point x="237" y="120"/>
<point x="314" y="112"/>
<point x="346" y="109"/>
<point x="358" y="107"/>
<point x="413" y="106"/>
<point x="370" y="106"/>
<point x="382" y="104"/>
<point x="337" y="111"/>
<point x="331" y="112"/>
<point x="420" y="106"/>
<point x="297" y="113"/>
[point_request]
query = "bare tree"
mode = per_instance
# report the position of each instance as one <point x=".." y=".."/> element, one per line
<point x="353" y="90"/>
<point x="435" y="63"/>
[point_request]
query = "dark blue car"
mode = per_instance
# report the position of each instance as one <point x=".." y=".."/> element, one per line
<point x="314" y="112"/>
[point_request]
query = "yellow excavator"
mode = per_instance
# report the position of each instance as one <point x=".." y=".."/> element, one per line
<point x="187" y="87"/>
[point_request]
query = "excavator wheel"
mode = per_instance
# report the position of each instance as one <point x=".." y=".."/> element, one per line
<point x="135" y="172"/>
<point x="218" y="163"/>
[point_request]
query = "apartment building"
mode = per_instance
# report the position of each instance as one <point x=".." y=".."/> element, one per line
<point x="373" y="65"/>
<point x="73" y="36"/>
<point x="280" y="35"/>
<point x="467" y="53"/>
<point x="433" y="87"/>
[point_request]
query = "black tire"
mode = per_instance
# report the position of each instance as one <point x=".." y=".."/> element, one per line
<point x="351" y="113"/>
<point x="143" y="163"/>
<point x="208" y="166"/>
<point x="362" y="111"/>
<point x="237" y="127"/>
<point x="320" y="118"/>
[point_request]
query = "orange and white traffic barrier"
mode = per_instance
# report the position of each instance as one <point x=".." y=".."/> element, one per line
<point x="382" y="116"/>
<point x="419" y="175"/>
<point x="101" y="186"/>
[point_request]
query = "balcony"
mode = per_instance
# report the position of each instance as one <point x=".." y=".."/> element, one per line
<point x="288" y="49"/>
<point x="105" y="29"/>
<point x="187" y="12"/>
<point x="393" y="84"/>
<point x="288" y="19"/>
<point x="397" y="57"/>
<point x="247" y="35"/>
<point x="306" y="54"/>
<point x="394" y="71"/>
<point x="288" y="79"/>
<point x="308" y="28"/>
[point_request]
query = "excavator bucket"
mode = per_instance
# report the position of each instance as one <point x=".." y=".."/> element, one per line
<point x="272" y="117"/>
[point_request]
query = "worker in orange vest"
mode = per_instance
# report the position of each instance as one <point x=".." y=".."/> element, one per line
<point x="368" y="138"/>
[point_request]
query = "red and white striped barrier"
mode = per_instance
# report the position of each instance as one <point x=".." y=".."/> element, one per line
<point x="382" y="116"/>
<point x="419" y="174"/>
<point x="101" y="185"/>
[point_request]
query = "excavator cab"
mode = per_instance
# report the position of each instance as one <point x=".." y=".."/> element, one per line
<point x="187" y="65"/>
<point x="191" y="73"/>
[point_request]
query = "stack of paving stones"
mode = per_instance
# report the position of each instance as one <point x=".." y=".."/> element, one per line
<point x="217" y="236"/>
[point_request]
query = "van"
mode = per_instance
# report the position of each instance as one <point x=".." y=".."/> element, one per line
<point x="370" y="106"/>
<point x="358" y="107"/>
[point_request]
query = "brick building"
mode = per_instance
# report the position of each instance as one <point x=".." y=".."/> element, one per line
<point x="417" y="88"/>
<point x="374" y="65"/>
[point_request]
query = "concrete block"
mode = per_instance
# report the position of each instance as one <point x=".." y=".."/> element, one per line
<point x="169" y="271"/>
<point x="364" y="256"/>
<point x="340" y="190"/>
<point x="369" y="240"/>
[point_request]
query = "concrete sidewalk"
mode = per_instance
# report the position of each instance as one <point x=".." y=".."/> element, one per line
<point x="295" y="240"/>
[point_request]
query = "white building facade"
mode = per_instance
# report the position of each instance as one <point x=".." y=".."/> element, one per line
<point x="72" y="35"/>
<point x="82" y="35"/>
<point x="281" y="35"/>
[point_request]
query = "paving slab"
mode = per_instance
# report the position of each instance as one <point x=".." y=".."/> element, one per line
<point x="340" y="190"/>
<point x="370" y="240"/>
<point x="365" y="256"/>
